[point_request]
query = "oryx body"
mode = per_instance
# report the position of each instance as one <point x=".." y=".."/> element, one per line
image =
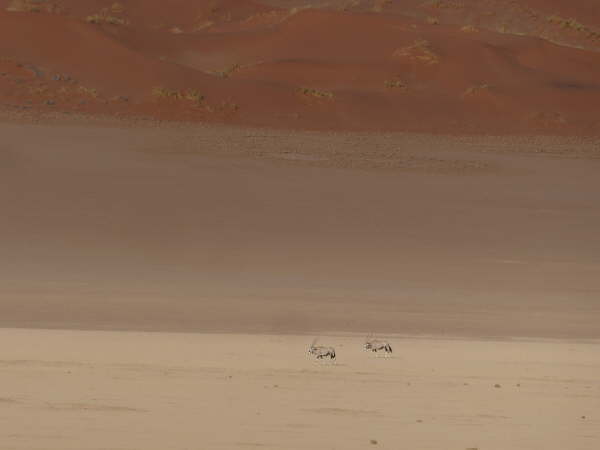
<point x="320" y="351"/>
<point x="378" y="345"/>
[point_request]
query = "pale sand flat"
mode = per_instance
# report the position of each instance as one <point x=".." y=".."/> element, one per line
<point x="82" y="390"/>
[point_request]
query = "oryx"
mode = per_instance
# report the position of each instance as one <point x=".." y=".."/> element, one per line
<point x="320" y="351"/>
<point x="377" y="345"/>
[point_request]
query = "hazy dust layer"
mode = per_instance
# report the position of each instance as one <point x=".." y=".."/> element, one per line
<point x="242" y="230"/>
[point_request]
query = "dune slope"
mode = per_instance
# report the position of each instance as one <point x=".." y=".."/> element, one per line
<point x="359" y="67"/>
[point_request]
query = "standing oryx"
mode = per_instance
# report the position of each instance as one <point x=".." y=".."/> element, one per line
<point x="320" y="351"/>
<point x="377" y="345"/>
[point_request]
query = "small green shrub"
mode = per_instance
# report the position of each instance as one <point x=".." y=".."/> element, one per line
<point x="311" y="92"/>
<point x="191" y="95"/>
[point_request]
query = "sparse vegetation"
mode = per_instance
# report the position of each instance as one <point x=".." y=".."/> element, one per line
<point x="25" y="5"/>
<point x="94" y="18"/>
<point x="225" y="108"/>
<point x="270" y="16"/>
<point x="65" y="92"/>
<point x="311" y="92"/>
<point x="191" y="95"/>
<point x="469" y="29"/>
<point x="349" y="5"/>
<point x="203" y="25"/>
<point x="573" y="24"/>
<point x="448" y="4"/>
<point x="99" y="19"/>
<point x="566" y="23"/>
<point x="419" y="51"/>
<point x="380" y="5"/>
<point x="394" y="84"/>
<point x="226" y="73"/>
<point x="90" y="92"/>
<point x="548" y="118"/>
<point x="104" y="16"/>
<point x="117" y="8"/>
<point x="161" y="92"/>
<point x="476" y="89"/>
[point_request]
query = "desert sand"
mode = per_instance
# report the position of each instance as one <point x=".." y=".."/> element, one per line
<point x="473" y="241"/>
<point x="154" y="391"/>
<point x="215" y="255"/>
<point x="193" y="191"/>
<point x="477" y="257"/>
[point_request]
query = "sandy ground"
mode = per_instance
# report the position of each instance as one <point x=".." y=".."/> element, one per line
<point x="275" y="237"/>
<point x="156" y="391"/>
<point x="193" y="263"/>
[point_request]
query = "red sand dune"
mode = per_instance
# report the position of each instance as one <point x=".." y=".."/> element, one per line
<point x="443" y="66"/>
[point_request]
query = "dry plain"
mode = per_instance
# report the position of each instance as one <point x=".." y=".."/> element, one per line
<point x="159" y="287"/>
<point x="76" y="390"/>
<point x="160" y="284"/>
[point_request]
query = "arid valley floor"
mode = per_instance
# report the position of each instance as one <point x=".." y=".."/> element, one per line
<point x="76" y="390"/>
<point x="192" y="191"/>
<point x="477" y="257"/>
